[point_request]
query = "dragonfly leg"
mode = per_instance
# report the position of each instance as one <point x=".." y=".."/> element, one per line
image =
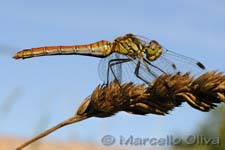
<point x="113" y="62"/>
<point x="165" y="83"/>
<point x="149" y="70"/>
<point x="136" y="72"/>
<point x="154" y="66"/>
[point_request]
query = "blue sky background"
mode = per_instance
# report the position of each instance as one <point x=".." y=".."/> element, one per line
<point x="53" y="87"/>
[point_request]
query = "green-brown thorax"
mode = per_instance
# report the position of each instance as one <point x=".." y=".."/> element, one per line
<point x="153" y="50"/>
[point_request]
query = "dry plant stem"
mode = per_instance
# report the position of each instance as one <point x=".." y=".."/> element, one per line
<point x="71" y="120"/>
<point x="203" y="93"/>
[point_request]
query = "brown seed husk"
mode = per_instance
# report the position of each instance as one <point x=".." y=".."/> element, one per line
<point x="161" y="96"/>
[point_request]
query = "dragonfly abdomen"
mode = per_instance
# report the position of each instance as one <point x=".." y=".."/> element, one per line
<point x="97" y="49"/>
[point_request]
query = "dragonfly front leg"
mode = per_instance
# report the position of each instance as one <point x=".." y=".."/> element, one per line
<point x="146" y="61"/>
<point x="114" y="62"/>
<point x="165" y="83"/>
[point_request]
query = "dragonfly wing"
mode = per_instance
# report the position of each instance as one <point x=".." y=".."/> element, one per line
<point x="171" y="62"/>
<point x="147" y="71"/>
<point x="183" y="63"/>
<point x="128" y="72"/>
<point x="125" y="72"/>
<point x="104" y="66"/>
<point x="163" y="65"/>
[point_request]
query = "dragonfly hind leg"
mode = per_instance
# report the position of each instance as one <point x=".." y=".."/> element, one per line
<point x="112" y="63"/>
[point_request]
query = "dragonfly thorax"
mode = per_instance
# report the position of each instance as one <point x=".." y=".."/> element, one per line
<point x="153" y="50"/>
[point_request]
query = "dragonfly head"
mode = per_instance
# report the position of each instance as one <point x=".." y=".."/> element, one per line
<point x="153" y="50"/>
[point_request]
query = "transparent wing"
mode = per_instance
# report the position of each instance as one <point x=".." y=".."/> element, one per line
<point x="164" y="65"/>
<point x="172" y="62"/>
<point x="103" y="68"/>
<point x="183" y="63"/>
<point x="128" y="72"/>
<point x="168" y="63"/>
<point x="125" y="72"/>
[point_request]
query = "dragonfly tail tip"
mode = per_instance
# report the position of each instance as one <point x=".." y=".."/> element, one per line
<point x="15" y="57"/>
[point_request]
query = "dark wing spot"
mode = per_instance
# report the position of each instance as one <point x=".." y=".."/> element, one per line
<point x="201" y="65"/>
<point x="174" y="66"/>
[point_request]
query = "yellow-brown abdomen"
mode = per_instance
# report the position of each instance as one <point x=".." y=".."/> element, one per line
<point x="97" y="49"/>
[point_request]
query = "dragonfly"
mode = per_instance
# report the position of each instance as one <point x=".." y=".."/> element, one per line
<point x="128" y="56"/>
